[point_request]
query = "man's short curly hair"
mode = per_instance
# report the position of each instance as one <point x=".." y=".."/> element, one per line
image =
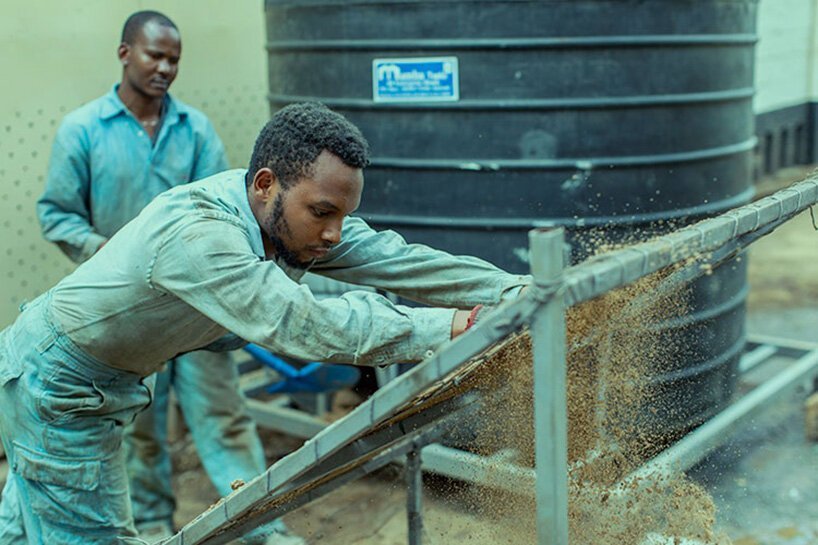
<point x="296" y="135"/>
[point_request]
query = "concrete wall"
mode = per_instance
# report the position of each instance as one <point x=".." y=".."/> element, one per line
<point x="786" y="54"/>
<point x="58" y="54"/>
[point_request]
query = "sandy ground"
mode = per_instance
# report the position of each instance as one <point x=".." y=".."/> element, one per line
<point x="764" y="483"/>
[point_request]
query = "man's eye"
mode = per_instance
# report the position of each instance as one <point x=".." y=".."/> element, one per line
<point x="319" y="213"/>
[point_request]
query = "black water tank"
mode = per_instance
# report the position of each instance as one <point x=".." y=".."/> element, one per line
<point x="625" y="115"/>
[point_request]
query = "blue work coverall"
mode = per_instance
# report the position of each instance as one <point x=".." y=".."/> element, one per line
<point x="186" y="272"/>
<point x="104" y="170"/>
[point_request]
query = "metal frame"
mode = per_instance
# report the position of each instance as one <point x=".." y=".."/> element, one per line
<point x="405" y="411"/>
<point x="500" y="472"/>
<point x="695" y="446"/>
<point x="550" y="390"/>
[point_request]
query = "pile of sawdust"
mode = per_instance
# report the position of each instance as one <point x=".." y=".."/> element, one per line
<point x="614" y="346"/>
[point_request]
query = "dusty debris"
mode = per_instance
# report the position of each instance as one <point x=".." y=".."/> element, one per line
<point x="612" y="349"/>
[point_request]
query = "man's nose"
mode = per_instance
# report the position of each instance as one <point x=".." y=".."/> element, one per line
<point x="332" y="234"/>
<point x="164" y="67"/>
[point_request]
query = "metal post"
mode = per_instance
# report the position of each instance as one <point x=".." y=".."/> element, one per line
<point x="550" y="412"/>
<point x="414" y="496"/>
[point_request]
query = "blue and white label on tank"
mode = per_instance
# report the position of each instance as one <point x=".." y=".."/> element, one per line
<point x="420" y="79"/>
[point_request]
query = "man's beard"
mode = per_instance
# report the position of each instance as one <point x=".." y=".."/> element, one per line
<point x="276" y="228"/>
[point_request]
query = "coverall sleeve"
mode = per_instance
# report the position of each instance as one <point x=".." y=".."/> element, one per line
<point x="226" y="343"/>
<point x="384" y="260"/>
<point x="208" y="264"/>
<point x="63" y="209"/>
<point x="210" y="155"/>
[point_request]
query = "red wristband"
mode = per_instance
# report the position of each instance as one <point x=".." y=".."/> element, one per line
<point x="473" y="316"/>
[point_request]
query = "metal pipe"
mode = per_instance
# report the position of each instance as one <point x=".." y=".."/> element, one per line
<point x="390" y="455"/>
<point x="612" y="270"/>
<point x="757" y="355"/>
<point x="490" y="471"/>
<point x="358" y="459"/>
<point x="550" y="409"/>
<point x="414" y="496"/>
<point x="696" y="445"/>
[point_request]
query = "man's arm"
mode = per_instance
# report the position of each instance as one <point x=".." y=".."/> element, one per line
<point x="210" y="155"/>
<point x="63" y="209"/>
<point x="226" y="343"/>
<point x="383" y="259"/>
<point x="209" y="265"/>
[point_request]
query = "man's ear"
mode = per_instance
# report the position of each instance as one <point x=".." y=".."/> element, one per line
<point x="264" y="182"/>
<point x="123" y="52"/>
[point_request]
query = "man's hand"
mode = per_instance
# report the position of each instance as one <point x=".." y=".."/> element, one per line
<point x="465" y="319"/>
<point x="459" y="322"/>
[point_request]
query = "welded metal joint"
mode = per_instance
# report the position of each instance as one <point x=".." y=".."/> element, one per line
<point x="543" y="292"/>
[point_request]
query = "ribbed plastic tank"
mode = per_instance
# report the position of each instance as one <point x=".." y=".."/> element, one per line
<point x="488" y="118"/>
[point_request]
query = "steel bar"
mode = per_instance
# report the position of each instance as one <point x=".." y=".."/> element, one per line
<point x="250" y="505"/>
<point x="786" y="347"/>
<point x="756" y="355"/>
<point x="612" y="270"/>
<point x="385" y="375"/>
<point x="390" y="455"/>
<point x="713" y="433"/>
<point x="439" y="459"/>
<point x="414" y="496"/>
<point x="474" y="468"/>
<point x="386" y="435"/>
<point x="550" y="404"/>
<point x="293" y="422"/>
<point x="701" y="266"/>
<point x="486" y="470"/>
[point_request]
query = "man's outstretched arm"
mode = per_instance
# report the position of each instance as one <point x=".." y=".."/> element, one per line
<point x="209" y="265"/>
<point x="383" y="259"/>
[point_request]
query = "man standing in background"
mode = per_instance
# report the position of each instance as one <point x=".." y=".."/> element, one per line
<point x="110" y="158"/>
